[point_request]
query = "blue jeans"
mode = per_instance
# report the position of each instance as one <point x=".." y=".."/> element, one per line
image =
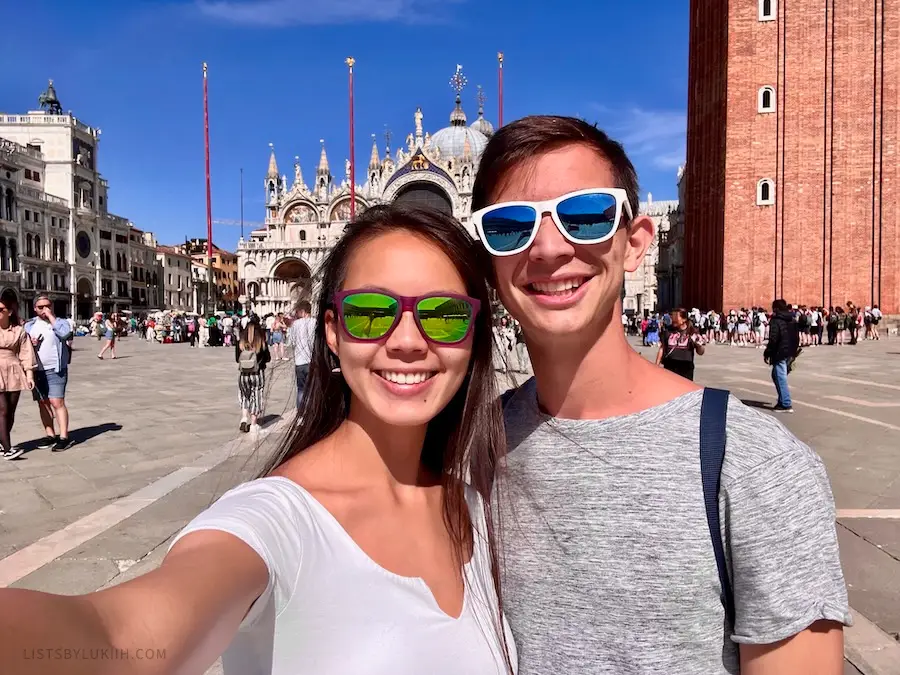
<point x="780" y="378"/>
<point x="301" y="372"/>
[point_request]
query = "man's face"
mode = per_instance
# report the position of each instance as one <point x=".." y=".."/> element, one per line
<point x="595" y="270"/>
<point x="42" y="308"/>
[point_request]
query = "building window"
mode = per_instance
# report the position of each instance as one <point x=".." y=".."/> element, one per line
<point x="29" y="245"/>
<point x="13" y="255"/>
<point x="36" y="175"/>
<point x="27" y="215"/>
<point x="37" y="217"/>
<point x="767" y="9"/>
<point x="27" y="174"/>
<point x="765" y="192"/>
<point x="62" y="251"/>
<point x="55" y="247"/>
<point x="766" y="100"/>
<point x="38" y="249"/>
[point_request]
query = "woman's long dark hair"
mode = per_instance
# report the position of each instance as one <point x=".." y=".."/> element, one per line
<point x="467" y="436"/>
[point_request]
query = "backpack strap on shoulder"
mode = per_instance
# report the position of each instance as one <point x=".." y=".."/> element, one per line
<point x="506" y="397"/>
<point x="713" y="416"/>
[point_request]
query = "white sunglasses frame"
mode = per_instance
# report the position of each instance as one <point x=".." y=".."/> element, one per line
<point x="549" y="206"/>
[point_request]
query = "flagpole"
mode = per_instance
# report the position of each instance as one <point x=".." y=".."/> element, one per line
<point x="500" y="90"/>
<point x="350" y="61"/>
<point x="209" y="272"/>
<point x="242" y="203"/>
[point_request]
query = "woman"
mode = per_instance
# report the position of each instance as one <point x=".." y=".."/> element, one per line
<point x="678" y="344"/>
<point x="16" y="373"/>
<point x="361" y="550"/>
<point x="278" y="329"/>
<point x="251" y="355"/>
<point x="110" y="326"/>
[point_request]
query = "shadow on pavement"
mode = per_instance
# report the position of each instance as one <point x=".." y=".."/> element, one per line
<point x="77" y="436"/>
<point x="756" y="404"/>
<point x="266" y="420"/>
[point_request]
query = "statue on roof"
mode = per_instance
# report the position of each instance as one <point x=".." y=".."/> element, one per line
<point x="49" y="101"/>
<point x="418" y="117"/>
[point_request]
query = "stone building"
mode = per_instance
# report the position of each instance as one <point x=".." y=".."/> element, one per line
<point x="175" y="279"/>
<point x="792" y="182"/>
<point x="34" y="231"/>
<point x="640" y="294"/>
<point x="670" y="260"/>
<point x="303" y="221"/>
<point x="80" y="253"/>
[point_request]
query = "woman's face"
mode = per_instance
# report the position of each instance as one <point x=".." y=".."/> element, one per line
<point x="407" y="265"/>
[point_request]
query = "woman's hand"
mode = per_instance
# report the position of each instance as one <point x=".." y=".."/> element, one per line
<point x="29" y="380"/>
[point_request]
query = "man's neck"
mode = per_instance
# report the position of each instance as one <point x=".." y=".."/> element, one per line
<point x="605" y="378"/>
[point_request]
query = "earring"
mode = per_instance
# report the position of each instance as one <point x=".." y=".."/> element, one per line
<point x="336" y="370"/>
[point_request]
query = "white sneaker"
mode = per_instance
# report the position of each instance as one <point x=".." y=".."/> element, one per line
<point x="257" y="430"/>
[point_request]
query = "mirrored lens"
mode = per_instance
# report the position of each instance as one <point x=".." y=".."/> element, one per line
<point x="588" y="217"/>
<point x="369" y="316"/>
<point x="508" y="228"/>
<point x="445" y="320"/>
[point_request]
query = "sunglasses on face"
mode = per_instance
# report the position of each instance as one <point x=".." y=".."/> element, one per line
<point x="584" y="217"/>
<point x="372" y="315"/>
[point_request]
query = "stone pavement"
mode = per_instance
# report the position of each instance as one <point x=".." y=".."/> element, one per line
<point x="158" y="442"/>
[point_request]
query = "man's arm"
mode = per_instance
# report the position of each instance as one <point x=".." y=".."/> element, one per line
<point x="61" y="327"/>
<point x="818" y="650"/>
<point x="774" y="338"/>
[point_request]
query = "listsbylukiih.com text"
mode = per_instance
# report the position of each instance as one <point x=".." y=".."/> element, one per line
<point x="93" y="654"/>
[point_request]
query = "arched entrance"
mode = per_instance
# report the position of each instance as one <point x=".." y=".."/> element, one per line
<point x="425" y="195"/>
<point x="292" y="282"/>
<point x="84" y="299"/>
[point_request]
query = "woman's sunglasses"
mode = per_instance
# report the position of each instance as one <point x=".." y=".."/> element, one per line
<point x="371" y="316"/>
<point x="583" y="217"/>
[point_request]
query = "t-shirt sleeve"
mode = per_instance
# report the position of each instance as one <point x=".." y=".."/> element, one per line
<point x="779" y="528"/>
<point x="260" y="514"/>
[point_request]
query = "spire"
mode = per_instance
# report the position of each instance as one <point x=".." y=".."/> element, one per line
<point x="458" y="82"/>
<point x="298" y="174"/>
<point x="374" y="160"/>
<point x="273" y="165"/>
<point x="323" y="169"/>
<point x="481" y="124"/>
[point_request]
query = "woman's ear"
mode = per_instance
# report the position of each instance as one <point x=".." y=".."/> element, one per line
<point x="331" y="332"/>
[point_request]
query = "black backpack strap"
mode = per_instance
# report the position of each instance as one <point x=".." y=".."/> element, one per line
<point x="506" y="397"/>
<point x="713" y="415"/>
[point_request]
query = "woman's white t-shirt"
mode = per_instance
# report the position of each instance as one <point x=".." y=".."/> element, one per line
<point x="330" y="609"/>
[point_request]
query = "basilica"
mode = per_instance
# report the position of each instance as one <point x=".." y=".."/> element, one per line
<point x="277" y="262"/>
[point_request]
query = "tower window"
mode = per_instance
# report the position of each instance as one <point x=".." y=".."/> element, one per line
<point x="766" y="100"/>
<point x="767" y="9"/>
<point x="765" y="192"/>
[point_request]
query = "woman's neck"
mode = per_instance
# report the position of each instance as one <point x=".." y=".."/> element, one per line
<point x="373" y="449"/>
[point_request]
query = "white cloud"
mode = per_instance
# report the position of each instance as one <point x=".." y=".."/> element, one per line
<point x="657" y="136"/>
<point x="281" y="13"/>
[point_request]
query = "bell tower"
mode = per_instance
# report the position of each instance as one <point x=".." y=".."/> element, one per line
<point x="273" y="187"/>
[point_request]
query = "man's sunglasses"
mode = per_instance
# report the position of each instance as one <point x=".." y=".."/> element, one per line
<point x="372" y="315"/>
<point x="583" y="217"/>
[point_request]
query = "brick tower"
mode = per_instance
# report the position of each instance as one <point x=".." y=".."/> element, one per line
<point x="793" y="172"/>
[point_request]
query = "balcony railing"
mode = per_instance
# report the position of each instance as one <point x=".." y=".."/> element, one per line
<point x="41" y="195"/>
<point x="116" y="221"/>
<point x="66" y="120"/>
<point x="271" y="245"/>
<point x="13" y="148"/>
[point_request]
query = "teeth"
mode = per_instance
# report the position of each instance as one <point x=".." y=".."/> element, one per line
<point x="557" y="286"/>
<point x="405" y="378"/>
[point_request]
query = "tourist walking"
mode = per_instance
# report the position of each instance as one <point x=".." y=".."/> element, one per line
<point x="278" y="329"/>
<point x="251" y="354"/>
<point x="360" y="549"/>
<point x="110" y="328"/>
<point x="678" y="344"/>
<point x="612" y="562"/>
<point x="302" y="334"/>
<point x="17" y="364"/>
<point x="50" y="338"/>
<point x="782" y="349"/>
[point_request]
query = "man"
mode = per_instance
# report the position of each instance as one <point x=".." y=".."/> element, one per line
<point x="678" y="344"/>
<point x="608" y="560"/>
<point x="783" y="346"/>
<point x="50" y="337"/>
<point x="302" y="334"/>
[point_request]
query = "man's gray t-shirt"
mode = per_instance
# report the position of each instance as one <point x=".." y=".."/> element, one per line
<point x="607" y="561"/>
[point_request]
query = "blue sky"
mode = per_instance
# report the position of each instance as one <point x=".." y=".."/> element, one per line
<point x="277" y="75"/>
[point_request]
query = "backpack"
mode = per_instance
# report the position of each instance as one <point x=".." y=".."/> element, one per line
<point x="248" y="362"/>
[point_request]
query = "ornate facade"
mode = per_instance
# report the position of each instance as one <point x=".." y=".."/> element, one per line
<point x="278" y="262"/>
<point x="641" y="289"/>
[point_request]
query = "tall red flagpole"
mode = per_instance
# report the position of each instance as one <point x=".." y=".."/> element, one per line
<point x="350" y="61"/>
<point x="500" y="90"/>
<point x="209" y="254"/>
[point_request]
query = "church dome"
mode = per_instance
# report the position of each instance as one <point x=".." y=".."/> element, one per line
<point x="452" y="140"/>
<point x="484" y="126"/>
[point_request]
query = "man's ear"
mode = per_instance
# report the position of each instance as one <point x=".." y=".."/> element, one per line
<point x="640" y="233"/>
